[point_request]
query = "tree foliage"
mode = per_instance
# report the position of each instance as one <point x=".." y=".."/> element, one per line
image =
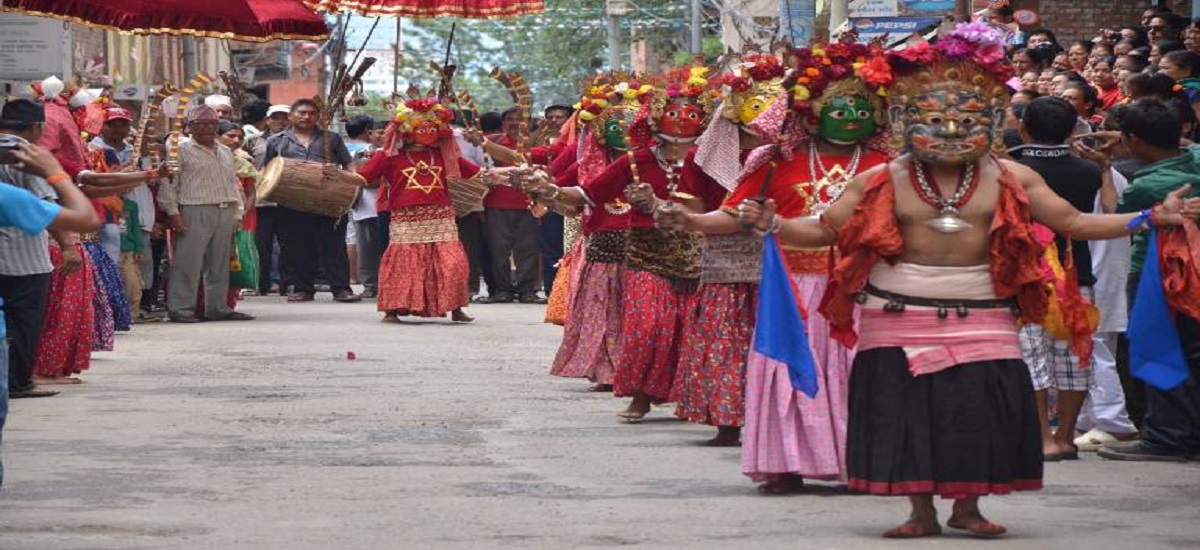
<point x="557" y="52"/>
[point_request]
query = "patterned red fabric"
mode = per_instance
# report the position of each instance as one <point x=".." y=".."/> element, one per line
<point x="472" y="9"/>
<point x="65" y="347"/>
<point x="654" y="315"/>
<point x="712" y="367"/>
<point x="423" y="279"/>
<point x="247" y="20"/>
<point x="1179" y="252"/>
<point x="61" y="135"/>
<point x="871" y="235"/>
<point x="591" y="341"/>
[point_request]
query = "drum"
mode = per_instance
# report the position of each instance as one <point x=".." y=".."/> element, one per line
<point x="467" y="195"/>
<point x="301" y="185"/>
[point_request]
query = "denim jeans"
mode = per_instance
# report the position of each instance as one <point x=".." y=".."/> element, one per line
<point x="3" y="399"/>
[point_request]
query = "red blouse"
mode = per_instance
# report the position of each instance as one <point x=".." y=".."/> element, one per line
<point x="791" y="184"/>
<point x="407" y="183"/>
<point x="610" y="184"/>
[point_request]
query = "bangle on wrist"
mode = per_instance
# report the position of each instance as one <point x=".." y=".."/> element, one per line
<point x="1141" y="222"/>
<point x="58" y="178"/>
<point x="771" y="229"/>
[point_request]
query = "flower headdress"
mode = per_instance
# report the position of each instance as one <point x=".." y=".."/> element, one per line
<point x="413" y="112"/>
<point x="971" y="55"/>
<point x="839" y="69"/>
<point x="755" y="75"/>
<point x="617" y="98"/>
<point x="686" y="85"/>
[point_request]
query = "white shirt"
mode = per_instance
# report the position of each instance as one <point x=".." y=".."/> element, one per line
<point x="1110" y="265"/>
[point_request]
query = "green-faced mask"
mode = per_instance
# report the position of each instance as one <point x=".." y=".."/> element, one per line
<point x="847" y="119"/>
<point x="614" y="133"/>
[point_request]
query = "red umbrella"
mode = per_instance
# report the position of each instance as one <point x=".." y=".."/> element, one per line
<point x="247" y="20"/>
<point x="470" y="9"/>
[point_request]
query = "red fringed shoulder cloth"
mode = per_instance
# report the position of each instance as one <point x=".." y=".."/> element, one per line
<point x="1179" y="250"/>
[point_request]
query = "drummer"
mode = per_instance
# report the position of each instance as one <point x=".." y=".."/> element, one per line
<point x="306" y="239"/>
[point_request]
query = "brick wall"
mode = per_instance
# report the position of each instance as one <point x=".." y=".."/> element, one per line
<point x="1080" y="19"/>
<point x="88" y="44"/>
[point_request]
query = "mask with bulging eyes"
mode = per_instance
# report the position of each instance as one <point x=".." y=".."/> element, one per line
<point x="848" y="119"/>
<point x="948" y="126"/>
<point x="614" y="135"/>
<point x="752" y="107"/>
<point x="681" y="120"/>
<point x="427" y="133"/>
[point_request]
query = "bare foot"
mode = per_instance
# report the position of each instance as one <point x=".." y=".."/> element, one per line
<point x="782" y="484"/>
<point x="600" y="388"/>
<point x="727" y="436"/>
<point x="391" y="317"/>
<point x="976" y="524"/>
<point x="460" y="316"/>
<point x="912" y="529"/>
<point x="638" y="408"/>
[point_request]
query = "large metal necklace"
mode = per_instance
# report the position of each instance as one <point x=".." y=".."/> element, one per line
<point x="827" y="188"/>
<point x="948" y="221"/>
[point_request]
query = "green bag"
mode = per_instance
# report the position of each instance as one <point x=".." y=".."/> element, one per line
<point x="243" y="266"/>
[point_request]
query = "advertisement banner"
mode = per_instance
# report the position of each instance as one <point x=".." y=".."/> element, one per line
<point x="896" y="28"/>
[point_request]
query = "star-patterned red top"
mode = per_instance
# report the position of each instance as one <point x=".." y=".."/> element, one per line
<point x="412" y="178"/>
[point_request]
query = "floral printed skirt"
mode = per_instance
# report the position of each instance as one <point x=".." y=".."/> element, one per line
<point x="712" y="366"/>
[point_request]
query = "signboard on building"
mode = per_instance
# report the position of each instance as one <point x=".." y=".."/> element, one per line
<point x="895" y="27"/>
<point x="32" y="48"/>
<point x="896" y="18"/>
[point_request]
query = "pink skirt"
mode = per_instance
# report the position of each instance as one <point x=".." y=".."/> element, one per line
<point x="592" y="334"/>
<point x="787" y="432"/>
<point x="712" y="366"/>
<point x="654" y="318"/>
<point x="424" y="270"/>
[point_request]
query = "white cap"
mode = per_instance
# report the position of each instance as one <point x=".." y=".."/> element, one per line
<point x="286" y="109"/>
<point x="217" y="100"/>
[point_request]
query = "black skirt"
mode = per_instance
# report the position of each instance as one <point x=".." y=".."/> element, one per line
<point x="966" y="431"/>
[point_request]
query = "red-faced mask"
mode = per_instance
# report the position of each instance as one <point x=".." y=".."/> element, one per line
<point x="427" y="133"/>
<point x="681" y="121"/>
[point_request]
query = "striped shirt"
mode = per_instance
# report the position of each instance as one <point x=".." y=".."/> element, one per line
<point x="22" y="253"/>
<point x="206" y="176"/>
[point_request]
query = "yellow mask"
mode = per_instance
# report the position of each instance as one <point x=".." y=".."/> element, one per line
<point x="752" y="107"/>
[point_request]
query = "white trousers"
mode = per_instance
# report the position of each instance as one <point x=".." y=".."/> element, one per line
<point x="1105" y="405"/>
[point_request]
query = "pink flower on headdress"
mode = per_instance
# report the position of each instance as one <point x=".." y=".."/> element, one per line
<point x="980" y="33"/>
<point x="955" y="47"/>
<point x="988" y="55"/>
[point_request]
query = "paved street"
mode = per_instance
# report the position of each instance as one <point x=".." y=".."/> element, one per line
<point x="264" y="435"/>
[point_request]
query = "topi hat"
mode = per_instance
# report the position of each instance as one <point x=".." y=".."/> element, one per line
<point x="23" y="110"/>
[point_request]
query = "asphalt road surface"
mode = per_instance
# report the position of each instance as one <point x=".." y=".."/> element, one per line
<point x="265" y="435"/>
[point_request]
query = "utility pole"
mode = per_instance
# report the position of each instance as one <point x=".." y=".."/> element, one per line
<point x="615" y="10"/>
<point x="396" y="59"/>
<point x="697" y="19"/>
<point x="187" y="54"/>
<point x="839" y="11"/>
